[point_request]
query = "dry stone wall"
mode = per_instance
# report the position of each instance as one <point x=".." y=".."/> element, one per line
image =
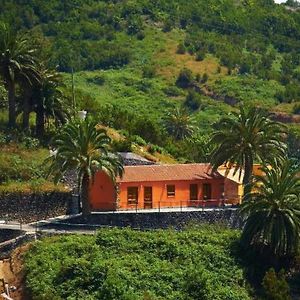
<point x="154" y="220"/>
<point x="28" y="208"/>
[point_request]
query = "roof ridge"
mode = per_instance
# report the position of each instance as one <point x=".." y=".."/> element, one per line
<point x="169" y="165"/>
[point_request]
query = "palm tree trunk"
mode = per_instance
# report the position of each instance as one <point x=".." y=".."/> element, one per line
<point x="248" y="174"/>
<point x="40" y="120"/>
<point x="26" y="109"/>
<point x="84" y="194"/>
<point x="11" y="103"/>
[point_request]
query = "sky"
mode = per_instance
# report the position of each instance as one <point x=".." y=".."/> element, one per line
<point x="280" y="1"/>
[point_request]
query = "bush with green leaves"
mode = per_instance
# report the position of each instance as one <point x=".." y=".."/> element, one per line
<point x="172" y="91"/>
<point x="296" y="109"/>
<point x="204" y="78"/>
<point x="138" y="140"/>
<point x="185" y="78"/>
<point x="200" y="55"/>
<point x="275" y="286"/>
<point x="193" y="100"/>
<point x="122" y="146"/>
<point x="119" y="264"/>
<point x="181" y="49"/>
<point x="17" y="163"/>
<point x="149" y="71"/>
<point x="155" y="148"/>
<point x="98" y="79"/>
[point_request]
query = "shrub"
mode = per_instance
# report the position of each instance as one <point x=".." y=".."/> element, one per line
<point x="144" y="85"/>
<point x="172" y="91"/>
<point x="154" y="148"/>
<point x="204" y="78"/>
<point x="98" y="79"/>
<point x="149" y="71"/>
<point x="200" y="55"/>
<point x="131" y="264"/>
<point x="122" y="146"/>
<point x="185" y="78"/>
<point x="138" y="140"/>
<point x="193" y="101"/>
<point x="275" y="286"/>
<point x="20" y="166"/>
<point x="140" y="35"/>
<point x="30" y="142"/>
<point x="296" y="109"/>
<point x="147" y="129"/>
<point x="181" y="49"/>
<point x="3" y="138"/>
<point x="134" y="25"/>
<point x="168" y="26"/>
<point x="292" y="92"/>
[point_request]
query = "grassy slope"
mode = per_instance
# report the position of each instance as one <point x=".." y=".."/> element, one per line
<point x="127" y="87"/>
<point x="22" y="170"/>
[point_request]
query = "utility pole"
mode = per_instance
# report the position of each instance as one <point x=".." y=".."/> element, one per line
<point x="73" y="92"/>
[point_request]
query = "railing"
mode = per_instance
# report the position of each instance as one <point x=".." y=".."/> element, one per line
<point x="182" y="205"/>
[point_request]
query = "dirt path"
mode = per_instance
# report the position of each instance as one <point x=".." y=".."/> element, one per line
<point x="11" y="271"/>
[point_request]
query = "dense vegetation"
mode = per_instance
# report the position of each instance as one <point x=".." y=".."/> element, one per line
<point x="158" y="75"/>
<point x="145" y="57"/>
<point x="198" y="263"/>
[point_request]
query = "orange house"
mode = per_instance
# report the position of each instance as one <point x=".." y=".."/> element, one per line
<point x="159" y="186"/>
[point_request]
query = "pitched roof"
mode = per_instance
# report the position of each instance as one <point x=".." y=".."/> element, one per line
<point x="167" y="173"/>
<point x="230" y="174"/>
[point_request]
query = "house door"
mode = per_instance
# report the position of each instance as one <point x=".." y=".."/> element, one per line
<point x="193" y="191"/>
<point x="147" y="197"/>
<point x="206" y="191"/>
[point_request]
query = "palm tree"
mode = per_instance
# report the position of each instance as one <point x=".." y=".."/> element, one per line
<point x="272" y="213"/>
<point x="27" y="84"/>
<point x="179" y="124"/>
<point x="49" y="100"/>
<point x="82" y="147"/>
<point x="245" y="137"/>
<point x="16" y="61"/>
<point x="199" y="147"/>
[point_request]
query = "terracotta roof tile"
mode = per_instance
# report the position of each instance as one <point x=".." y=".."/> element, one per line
<point x="167" y="173"/>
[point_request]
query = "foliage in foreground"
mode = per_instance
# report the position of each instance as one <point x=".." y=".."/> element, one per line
<point x="272" y="212"/>
<point x="275" y="286"/>
<point x="198" y="263"/>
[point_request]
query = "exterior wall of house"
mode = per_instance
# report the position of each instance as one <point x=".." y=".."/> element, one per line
<point x="102" y="193"/>
<point x="233" y="191"/>
<point x="161" y="199"/>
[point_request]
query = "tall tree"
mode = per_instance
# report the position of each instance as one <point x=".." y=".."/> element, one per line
<point x="49" y="101"/>
<point x="27" y="83"/>
<point x="245" y="137"/>
<point x="17" y="60"/>
<point x="82" y="147"/>
<point x="179" y="124"/>
<point x="272" y="213"/>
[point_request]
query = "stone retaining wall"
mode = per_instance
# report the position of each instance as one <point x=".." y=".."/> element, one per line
<point x="155" y="220"/>
<point x="9" y="234"/>
<point x="8" y="246"/>
<point x="28" y="208"/>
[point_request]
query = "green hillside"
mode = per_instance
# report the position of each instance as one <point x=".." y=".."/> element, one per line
<point x="129" y="54"/>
